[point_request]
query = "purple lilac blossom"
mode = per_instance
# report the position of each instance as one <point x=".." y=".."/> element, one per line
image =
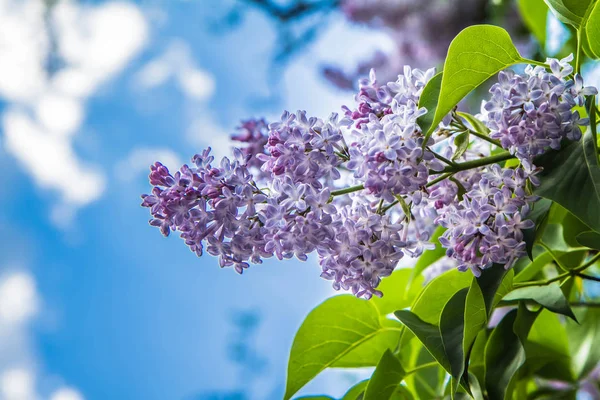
<point x="274" y="198"/>
<point x="486" y="226"/>
<point x="532" y="112"/>
<point x="388" y="154"/>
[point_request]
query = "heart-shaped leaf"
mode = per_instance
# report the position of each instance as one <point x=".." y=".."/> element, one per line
<point x="385" y="379"/>
<point x="333" y="329"/>
<point x="476" y="54"/>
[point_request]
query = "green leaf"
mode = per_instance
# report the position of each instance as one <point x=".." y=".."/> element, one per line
<point x="534" y="267"/>
<point x="548" y="355"/>
<point x="475" y="315"/>
<point x="355" y="391"/>
<point x="461" y="142"/>
<point x="399" y="291"/>
<point x="429" y="99"/>
<point x="476" y="54"/>
<point x="572" y="12"/>
<point x="538" y="214"/>
<point x="475" y="123"/>
<point x="504" y="352"/>
<point x="427" y="333"/>
<point x="452" y="325"/>
<point x="333" y="329"/>
<point x="583" y="341"/>
<point x="549" y="296"/>
<point x="425" y="383"/>
<point x="429" y="256"/>
<point x="535" y="16"/>
<point x="386" y="377"/>
<point x="589" y="239"/>
<point x="369" y="352"/>
<point x="585" y="45"/>
<point x="592" y="29"/>
<point x="428" y="306"/>
<point x="571" y="177"/>
<point x="494" y="282"/>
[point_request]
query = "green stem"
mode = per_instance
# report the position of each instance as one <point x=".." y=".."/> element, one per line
<point x="485" y="137"/>
<point x="422" y="366"/>
<point x="443" y="159"/>
<point x="572" y="272"/>
<point x="347" y="190"/>
<point x="584" y="304"/>
<point x="534" y="62"/>
<point x="578" y="52"/>
<point x="439" y="179"/>
<point x="480" y="162"/>
<point x="588" y="277"/>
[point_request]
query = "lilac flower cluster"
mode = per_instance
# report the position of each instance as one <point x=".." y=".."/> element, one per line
<point x="303" y="150"/>
<point x="486" y="226"/>
<point x="357" y="190"/>
<point x="388" y="153"/>
<point x="532" y="112"/>
<point x="277" y="196"/>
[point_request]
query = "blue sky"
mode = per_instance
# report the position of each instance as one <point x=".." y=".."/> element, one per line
<point x="97" y="304"/>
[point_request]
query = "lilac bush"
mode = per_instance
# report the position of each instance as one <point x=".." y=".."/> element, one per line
<point x="511" y="194"/>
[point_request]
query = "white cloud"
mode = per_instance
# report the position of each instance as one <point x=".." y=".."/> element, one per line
<point x="66" y="394"/>
<point x="17" y="384"/>
<point x="177" y="63"/>
<point x="18" y="299"/>
<point x="139" y="160"/>
<point x="94" y="43"/>
<point x="20" y="369"/>
<point x="51" y="160"/>
<point x="203" y="132"/>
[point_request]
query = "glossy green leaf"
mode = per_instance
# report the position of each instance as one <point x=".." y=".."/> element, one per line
<point x="429" y="256"/>
<point x="333" y="329"/>
<point x="571" y="177"/>
<point x="504" y="352"/>
<point x="538" y="214"/>
<point x="533" y="268"/>
<point x="572" y="12"/>
<point x="535" y="16"/>
<point x="589" y="239"/>
<point x="494" y="282"/>
<point x="356" y="391"/>
<point x="592" y="29"/>
<point x="476" y="54"/>
<point x="399" y="291"/>
<point x="428" y="306"/>
<point x="548" y="355"/>
<point x="368" y="353"/>
<point x="549" y="296"/>
<point x="386" y="377"/>
<point x="451" y="326"/>
<point x="461" y="141"/>
<point x="475" y="316"/>
<point x="425" y="383"/>
<point x="429" y="100"/>
<point x="475" y="123"/>
<point x="427" y="333"/>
